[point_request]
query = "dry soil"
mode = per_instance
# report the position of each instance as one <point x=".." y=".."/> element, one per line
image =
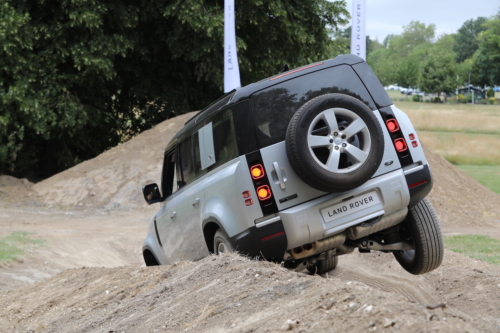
<point x="89" y="275"/>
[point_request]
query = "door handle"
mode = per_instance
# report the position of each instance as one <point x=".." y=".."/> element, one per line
<point x="281" y="179"/>
<point x="195" y="201"/>
<point x="173" y="214"/>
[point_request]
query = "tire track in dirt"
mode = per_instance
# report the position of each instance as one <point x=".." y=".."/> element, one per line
<point x="354" y="270"/>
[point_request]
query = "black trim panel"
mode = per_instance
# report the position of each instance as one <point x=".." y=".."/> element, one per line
<point x="249" y="242"/>
<point x="419" y="192"/>
<point x="405" y="157"/>
<point x="243" y="124"/>
<point x="373" y="85"/>
<point x="268" y="206"/>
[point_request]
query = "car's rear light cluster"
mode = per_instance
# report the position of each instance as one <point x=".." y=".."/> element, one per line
<point x="397" y="137"/>
<point x="264" y="192"/>
<point x="257" y="171"/>
<point x="413" y="139"/>
<point x="262" y="187"/>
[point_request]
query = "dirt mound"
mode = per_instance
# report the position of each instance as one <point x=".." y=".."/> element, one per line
<point x="458" y="198"/>
<point x="231" y="293"/>
<point x="14" y="190"/>
<point x="113" y="179"/>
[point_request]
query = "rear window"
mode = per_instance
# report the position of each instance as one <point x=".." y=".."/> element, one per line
<point x="272" y="108"/>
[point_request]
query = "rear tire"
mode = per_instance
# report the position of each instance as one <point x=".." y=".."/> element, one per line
<point x="222" y="243"/>
<point x="324" y="266"/>
<point x="424" y="230"/>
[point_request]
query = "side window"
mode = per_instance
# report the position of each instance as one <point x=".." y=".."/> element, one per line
<point x="196" y="156"/>
<point x="171" y="179"/>
<point x="187" y="163"/>
<point x="225" y="145"/>
<point x="189" y="152"/>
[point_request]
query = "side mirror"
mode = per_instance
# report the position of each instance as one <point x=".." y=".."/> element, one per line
<point x="151" y="193"/>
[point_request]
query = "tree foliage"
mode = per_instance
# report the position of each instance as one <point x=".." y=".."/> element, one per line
<point x="399" y="62"/>
<point x="79" y="76"/>
<point x="438" y="73"/>
<point x="486" y="66"/>
<point x="466" y="40"/>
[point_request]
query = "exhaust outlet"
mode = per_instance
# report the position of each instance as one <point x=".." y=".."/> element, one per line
<point x="319" y="246"/>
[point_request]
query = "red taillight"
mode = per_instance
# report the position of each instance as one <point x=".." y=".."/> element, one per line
<point x="414" y="144"/>
<point x="400" y="145"/>
<point x="248" y="202"/>
<point x="417" y="183"/>
<point x="392" y="125"/>
<point x="411" y="136"/>
<point x="263" y="192"/>
<point x="246" y="194"/>
<point x="257" y="171"/>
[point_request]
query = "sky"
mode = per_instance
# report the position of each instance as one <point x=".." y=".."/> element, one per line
<point x="385" y="17"/>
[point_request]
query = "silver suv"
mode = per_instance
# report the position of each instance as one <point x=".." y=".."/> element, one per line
<point x="298" y="168"/>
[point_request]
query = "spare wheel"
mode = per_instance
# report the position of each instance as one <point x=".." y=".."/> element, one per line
<point x="334" y="143"/>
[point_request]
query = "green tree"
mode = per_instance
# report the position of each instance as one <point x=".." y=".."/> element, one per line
<point x="381" y="63"/>
<point x="399" y="62"/>
<point x="414" y="34"/>
<point x="437" y="74"/>
<point x="408" y="70"/>
<point x="466" y="40"/>
<point x="486" y="60"/>
<point x="79" y="76"/>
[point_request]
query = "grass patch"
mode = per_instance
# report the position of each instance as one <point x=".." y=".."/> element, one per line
<point x="464" y="148"/>
<point x="12" y="246"/>
<point x="478" y="247"/>
<point x="489" y="176"/>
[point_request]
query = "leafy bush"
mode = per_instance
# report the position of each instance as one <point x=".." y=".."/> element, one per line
<point x="490" y="93"/>
<point x="416" y="98"/>
<point x="461" y="98"/>
<point x="469" y="98"/>
<point x="436" y="100"/>
<point x="492" y="100"/>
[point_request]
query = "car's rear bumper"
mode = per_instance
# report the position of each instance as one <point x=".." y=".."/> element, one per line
<point x="267" y="240"/>
<point x="305" y="223"/>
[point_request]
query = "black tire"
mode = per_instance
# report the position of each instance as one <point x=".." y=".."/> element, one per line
<point x="221" y="241"/>
<point x="424" y="231"/>
<point x="324" y="266"/>
<point x="307" y="161"/>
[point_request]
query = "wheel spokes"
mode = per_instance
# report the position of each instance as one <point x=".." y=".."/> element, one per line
<point x="330" y="120"/>
<point x="356" y="153"/>
<point x="333" y="161"/>
<point x="354" y="128"/>
<point x="315" y="141"/>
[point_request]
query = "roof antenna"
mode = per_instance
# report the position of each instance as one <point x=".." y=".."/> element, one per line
<point x="285" y="68"/>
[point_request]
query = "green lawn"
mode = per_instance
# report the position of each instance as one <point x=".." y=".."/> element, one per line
<point x="475" y="246"/>
<point x="12" y="246"/>
<point x="488" y="175"/>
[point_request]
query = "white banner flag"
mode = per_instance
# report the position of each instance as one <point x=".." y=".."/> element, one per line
<point x="231" y="68"/>
<point x="358" y="33"/>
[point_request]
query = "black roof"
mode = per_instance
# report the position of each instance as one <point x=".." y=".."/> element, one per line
<point x="245" y="92"/>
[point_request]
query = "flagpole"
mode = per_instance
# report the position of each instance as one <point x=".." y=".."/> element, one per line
<point x="231" y="67"/>
<point x="358" y="32"/>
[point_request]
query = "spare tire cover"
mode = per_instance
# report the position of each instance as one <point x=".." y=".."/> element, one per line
<point x="334" y="143"/>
